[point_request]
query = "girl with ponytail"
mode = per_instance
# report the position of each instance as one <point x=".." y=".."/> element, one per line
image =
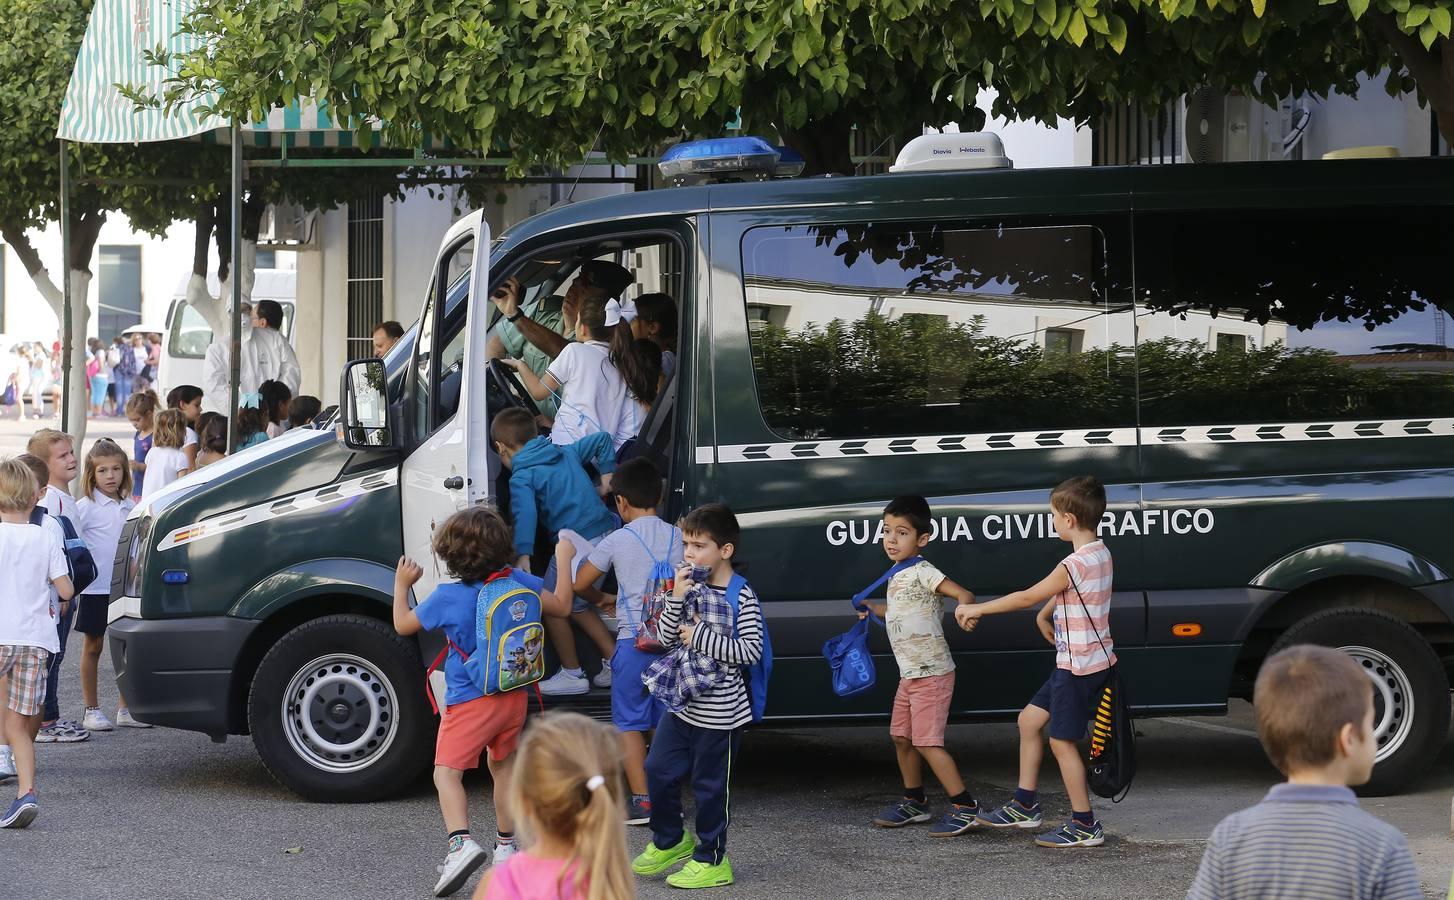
<point x="566" y="795"/>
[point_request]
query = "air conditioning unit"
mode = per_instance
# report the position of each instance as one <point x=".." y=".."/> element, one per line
<point x="1234" y="127"/>
<point x="286" y="226"/>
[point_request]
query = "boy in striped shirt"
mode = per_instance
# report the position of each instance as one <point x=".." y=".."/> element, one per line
<point x="700" y="682"/>
<point x="1307" y="839"/>
<point x="1075" y="601"/>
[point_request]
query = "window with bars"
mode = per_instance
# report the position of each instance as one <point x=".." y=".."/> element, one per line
<point x="365" y="272"/>
<point x="1133" y="135"/>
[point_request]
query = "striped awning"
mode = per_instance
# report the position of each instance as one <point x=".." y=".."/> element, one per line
<point x="119" y="33"/>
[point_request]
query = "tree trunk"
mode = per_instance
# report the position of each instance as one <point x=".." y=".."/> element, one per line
<point x="1433" y="70"/>
<point x="826" y="144"/>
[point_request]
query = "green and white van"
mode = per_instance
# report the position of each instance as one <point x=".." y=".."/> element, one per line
<point x="1251" y="357"/>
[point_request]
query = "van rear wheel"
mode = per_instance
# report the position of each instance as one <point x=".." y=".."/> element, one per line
<point x="338" y="713"/>
<point x="1410" y="688"/>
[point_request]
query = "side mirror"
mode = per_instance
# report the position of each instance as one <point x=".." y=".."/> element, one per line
<point x="365" y="421"/>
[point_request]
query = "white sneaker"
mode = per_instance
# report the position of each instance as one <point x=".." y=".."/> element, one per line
<point x="603" y="677"/>
<point x="563" y="683"/>
<point x="95" y="720"/>
<point x="124" y="719"/>
<point x="504" y="852"/>
<point x="458" y="866"/>
<point x="7" y="764"/>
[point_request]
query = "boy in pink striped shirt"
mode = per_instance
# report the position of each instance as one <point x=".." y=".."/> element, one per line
<point x="1075" y="613"/>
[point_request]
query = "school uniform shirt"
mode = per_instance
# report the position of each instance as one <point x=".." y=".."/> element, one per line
<point x="594" y="396"/>
<point x="57" y="502"/>
<point x="164" y="465"/>
<point x="451" y="608"/>
<point x="1083" y="620"/>
<point x="915" y="622"/>
<point x="633" y="551"/>
<point x="29" y="558"/>
<point x="726" y="706"/>
<point x="102" y="519"/>
<point x="191" y="438"/>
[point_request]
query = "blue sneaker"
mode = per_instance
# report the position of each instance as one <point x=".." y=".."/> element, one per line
<point x="957" y="820"/>
<point x="1012" y="815"/>
<point x="1073" y="834"/>
<point x="21" y="813"/>
<point x="638" y="812"/>
<point x="907" y="812"/>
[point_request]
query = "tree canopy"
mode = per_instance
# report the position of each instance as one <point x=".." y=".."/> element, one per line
<point x="548" y="81"/>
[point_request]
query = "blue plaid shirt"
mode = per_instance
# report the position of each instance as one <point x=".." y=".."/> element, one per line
<point x="701" y="682"/>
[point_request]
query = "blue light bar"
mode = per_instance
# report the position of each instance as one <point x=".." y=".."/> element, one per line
<point x="720" y="159"/>
<point x="790" y="163"/>
<point x="175" y="576"/>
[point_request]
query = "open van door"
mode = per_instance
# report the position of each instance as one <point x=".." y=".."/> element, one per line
<point x="446" y="470"/>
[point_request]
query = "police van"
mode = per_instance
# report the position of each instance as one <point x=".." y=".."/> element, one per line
<point x="1251" y="357"/>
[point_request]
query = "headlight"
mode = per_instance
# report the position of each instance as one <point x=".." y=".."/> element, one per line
<point x="135" y="556"/>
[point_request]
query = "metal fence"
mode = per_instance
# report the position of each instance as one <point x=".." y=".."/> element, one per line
<point x="365" y="272"/>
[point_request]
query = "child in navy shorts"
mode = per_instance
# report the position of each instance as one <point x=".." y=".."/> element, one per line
<point x="1075" y="618"/>
<point x="633" y="551"/>
<point x="474" y="544"/>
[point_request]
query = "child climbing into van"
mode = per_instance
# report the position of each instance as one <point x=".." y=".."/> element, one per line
<point x="1075" y="617"/>
<point x="642" y="554"/>
<point x="914" y="618"/>
<point x="549" y="487"/>
<point x="475" y="547"/>
<point x="712" y="632"/>
<point x="565" y="796"/>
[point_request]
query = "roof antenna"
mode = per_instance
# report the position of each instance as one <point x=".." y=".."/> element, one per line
<point x="582" y="167"/>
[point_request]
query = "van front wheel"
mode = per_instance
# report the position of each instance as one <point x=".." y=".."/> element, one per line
<point x="1410" y="689"/>
<point x="337" y="710"/>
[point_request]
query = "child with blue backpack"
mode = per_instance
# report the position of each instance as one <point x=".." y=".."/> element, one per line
<point x="914" y="617"/>
<point x="641" y="553"/>
<point x="713" y="682"/>
<point x="484" y="700"/>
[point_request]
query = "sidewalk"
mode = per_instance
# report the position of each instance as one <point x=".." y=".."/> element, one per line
<point x="14" y="434"/>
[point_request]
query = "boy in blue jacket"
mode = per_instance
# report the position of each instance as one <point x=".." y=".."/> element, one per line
<point x="549" y="486"/>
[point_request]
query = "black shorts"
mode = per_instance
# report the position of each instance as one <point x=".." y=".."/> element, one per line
<point x="91" y="614"/>
<point x="1069" y="699"/>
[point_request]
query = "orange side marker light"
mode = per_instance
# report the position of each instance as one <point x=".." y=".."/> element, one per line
<point x="1186" y="629"/>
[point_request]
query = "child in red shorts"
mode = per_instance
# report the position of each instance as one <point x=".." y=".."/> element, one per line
<point x="915" y="622"/>
<point x="473" y="545"/>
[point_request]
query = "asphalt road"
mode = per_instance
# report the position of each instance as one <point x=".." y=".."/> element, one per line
<point x="168" y="814"/>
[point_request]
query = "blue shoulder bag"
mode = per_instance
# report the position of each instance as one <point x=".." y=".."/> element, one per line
<point x="849" y="661"/>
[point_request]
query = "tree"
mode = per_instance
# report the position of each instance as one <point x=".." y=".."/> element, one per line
<point x="542" y="81"/>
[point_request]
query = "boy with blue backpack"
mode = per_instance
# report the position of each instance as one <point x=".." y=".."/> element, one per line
<point x="494" y="642"/>
<point x="914" y="618"/>
<point x="713" y="682"/>
<point x="641" y="553"/>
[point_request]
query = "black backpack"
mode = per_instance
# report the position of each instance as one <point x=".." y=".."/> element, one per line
<point x="1110" y="757"/>
<point x="78" y="556"/>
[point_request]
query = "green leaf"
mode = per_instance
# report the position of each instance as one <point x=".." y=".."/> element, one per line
<point x="1077" y="28"/>
<point x="647" y="104"/>
<point x="1440" y="18"/>
<point x="1417" y="15"/>
<point x="802" y="50"/>
<point x="1357" y="8"/>
<point x="1117" y="37"/>
<point x="1259" y="7"/>
<point x="1046" y="10"/>
<point x="1428" y="34"/>
<point x="1251" y="31"/>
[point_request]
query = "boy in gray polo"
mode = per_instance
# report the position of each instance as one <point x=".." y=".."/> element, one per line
<point x="1308" y="839"/>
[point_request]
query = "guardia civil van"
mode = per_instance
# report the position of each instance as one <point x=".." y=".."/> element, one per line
<point x="1252" y="357"/>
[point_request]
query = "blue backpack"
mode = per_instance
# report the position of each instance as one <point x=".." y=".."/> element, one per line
<point x="849" y="661"/>
<point x="509" y="638"/>
<point x="79" y="561"/>
<point x="756" y="675"/>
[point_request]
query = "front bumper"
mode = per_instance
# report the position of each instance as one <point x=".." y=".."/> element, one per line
<point x="177" y="673"/>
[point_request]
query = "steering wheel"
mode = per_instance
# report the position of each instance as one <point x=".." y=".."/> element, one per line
<point x="501" y="379"/>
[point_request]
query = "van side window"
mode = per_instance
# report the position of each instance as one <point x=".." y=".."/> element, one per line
<point x="1294" y="315"/>
<point x="439" y="363"/>
<point x="880" y="330"/>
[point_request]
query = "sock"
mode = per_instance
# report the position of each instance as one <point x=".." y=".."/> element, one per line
<point x="916" y="794"/>
<point x="574" y="673"/>
<point x="1085" y="819"/>
<point x="457" y="839"/>
<point x="643" y="799"/>
<point x="1025" y="798"/>
<point x="504" y="838"/>
<point x="963" y="798"/>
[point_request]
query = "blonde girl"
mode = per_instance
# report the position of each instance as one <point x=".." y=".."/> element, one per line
<point x="106" y="501"/>
<point x="167" y="461"/>
<point x="566" y="795"/>
<point x="141" y="411"/>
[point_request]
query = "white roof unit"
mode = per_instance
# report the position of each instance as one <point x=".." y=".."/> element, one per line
<point x="952" y="153"/>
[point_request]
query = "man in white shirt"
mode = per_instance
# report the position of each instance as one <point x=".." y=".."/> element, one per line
<point x="266" y="356"/>
<point x="276" y="360"/>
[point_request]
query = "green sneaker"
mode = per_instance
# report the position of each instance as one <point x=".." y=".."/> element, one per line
<point x="654" y="861"/>
<point x="700" y="875"/>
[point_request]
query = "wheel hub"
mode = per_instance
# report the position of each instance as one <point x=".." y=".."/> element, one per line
<point x="338" y="713"/>
<point x="1393" y="699"/>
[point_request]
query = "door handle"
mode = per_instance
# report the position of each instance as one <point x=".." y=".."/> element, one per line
<point x="454" y="483"/>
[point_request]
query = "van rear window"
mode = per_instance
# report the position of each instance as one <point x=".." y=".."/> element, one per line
<point x="867" y="330"/>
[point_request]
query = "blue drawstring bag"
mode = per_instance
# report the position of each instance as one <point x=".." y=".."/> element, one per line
<point x="850" y="663"/>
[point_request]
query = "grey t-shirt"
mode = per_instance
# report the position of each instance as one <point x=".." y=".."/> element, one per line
<point x="633" y="552"/>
